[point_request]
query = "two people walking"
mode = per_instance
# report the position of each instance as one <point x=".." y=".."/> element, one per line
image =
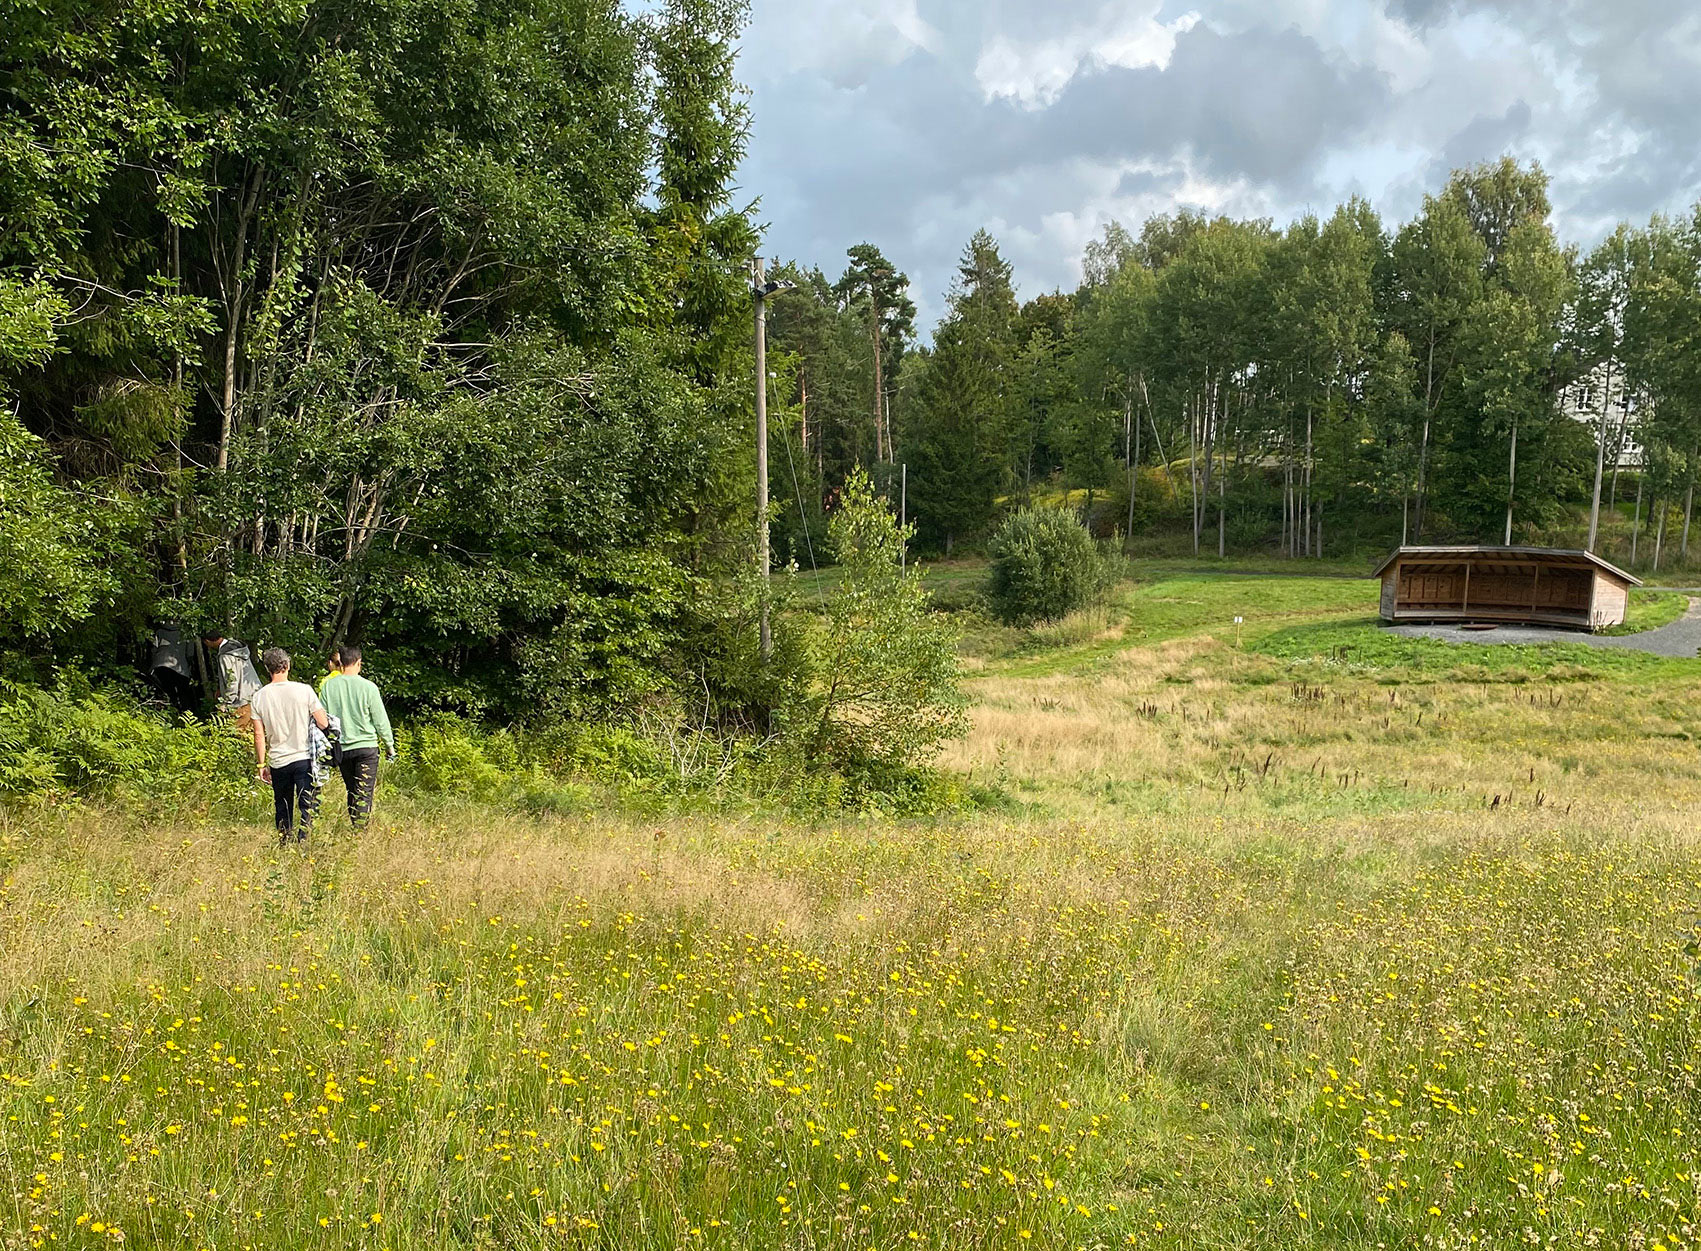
<point x="285" y="715"/>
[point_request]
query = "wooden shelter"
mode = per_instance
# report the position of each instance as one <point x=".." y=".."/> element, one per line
<point x="1504" y="585"/>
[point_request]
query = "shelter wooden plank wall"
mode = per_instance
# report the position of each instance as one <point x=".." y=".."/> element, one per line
<point x="1612" y="602"/>
<point x="1544" y="586"/>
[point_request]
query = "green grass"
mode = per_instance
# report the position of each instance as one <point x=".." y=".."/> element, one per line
<point x="955" y="584"/>
<point x="958" y="584"/>
<point x="1363" y="646"/>
<point x="1159" y="606"/>
<point x="1356" y="565"/>
<point x="1175" y="605"/>
<point x="1649" y="610"/>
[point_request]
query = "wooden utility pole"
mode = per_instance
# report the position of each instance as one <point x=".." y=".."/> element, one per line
<point x="762" y="290"/>
<point x="762" y="455"/>
<point x="882" y="445"/>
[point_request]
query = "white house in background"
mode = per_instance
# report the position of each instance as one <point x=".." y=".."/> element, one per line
<point x="1581" y="401"/>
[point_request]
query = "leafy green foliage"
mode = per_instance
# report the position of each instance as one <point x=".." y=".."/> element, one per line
<point x="50" y="543"/>
<point x="71" y="742"/>
<point x="886" y="689"/>
<point x="839" y="358"/>
<point x="957" y="445"/>
<point x="1044" y="565"/>
<point x="873" y="281"/>
<point x="1330" y="387"/>
<point x="50" y="569"/>
<point x="448" y="301"/>
<point x="723" y="685"/>
<point x="448" y="759"/>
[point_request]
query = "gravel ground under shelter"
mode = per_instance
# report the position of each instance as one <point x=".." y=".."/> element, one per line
<point x="1682" y="638"/>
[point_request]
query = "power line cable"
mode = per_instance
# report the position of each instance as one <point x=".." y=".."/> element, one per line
<point x="803" y="516"/>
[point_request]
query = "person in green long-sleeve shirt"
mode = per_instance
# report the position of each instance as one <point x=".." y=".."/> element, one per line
<point x="356" y="703"/>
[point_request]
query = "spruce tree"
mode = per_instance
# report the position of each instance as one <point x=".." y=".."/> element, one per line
<point x="958" y="444"/>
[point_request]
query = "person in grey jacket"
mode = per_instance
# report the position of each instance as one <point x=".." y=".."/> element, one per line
<point x="235" y="680"/>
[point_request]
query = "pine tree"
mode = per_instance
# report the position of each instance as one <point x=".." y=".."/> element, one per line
<point x="875" y="281"/>
<point x="957" y="446"/>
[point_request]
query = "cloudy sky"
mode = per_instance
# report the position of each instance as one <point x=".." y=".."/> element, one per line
<point x="911" y="123"/>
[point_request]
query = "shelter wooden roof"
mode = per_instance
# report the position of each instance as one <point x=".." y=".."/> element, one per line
<point x="1532" y="555"/>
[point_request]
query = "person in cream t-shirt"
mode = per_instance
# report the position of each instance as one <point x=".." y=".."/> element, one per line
<point x="282" y="711"/>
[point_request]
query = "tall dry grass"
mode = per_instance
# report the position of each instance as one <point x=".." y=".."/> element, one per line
<point x="1265" y="955"/>
<point x="1192" y="715"/>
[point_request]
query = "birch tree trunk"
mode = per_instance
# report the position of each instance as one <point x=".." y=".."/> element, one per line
<point x="1130" y="442"/>
<point x="1636" y="526"/>
<point x="1688" y="505"/>
<point x="1193" y="470"/>
<point x="1660" y="507"/>
<point x="1688" y="511"/>
<point x="1423" y="444"/>
<point x="1511" y="482"/>
<point x="1600" y="460"/>
<point x="1222" y="480"/>
<point x="1618" y="445"/>
<point x="1287" y="492"/>
<point x="1306" y="489"/>
<point x="231" y="268"/>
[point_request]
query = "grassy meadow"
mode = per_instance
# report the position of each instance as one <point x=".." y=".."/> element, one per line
<point x="1287" y="934"/>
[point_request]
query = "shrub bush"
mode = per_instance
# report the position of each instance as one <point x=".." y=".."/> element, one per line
<point x="452" y="759"/>
<point x="884" y="705"/>
<point x="1044" y="566"/>
<point x="69" y="741"/>
<point x="886" y="685"/>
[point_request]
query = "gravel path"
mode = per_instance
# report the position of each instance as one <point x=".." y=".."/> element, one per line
<point x="1682" y="638"/>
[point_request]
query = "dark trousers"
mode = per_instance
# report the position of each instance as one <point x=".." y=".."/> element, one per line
<point x="360" y="776"/>
<point x="292" y="791"/>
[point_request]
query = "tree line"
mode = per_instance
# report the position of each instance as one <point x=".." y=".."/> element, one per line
<point x="426" y="325"/>
<point x="413" y="322"/>
<point x="1337" y="383"/>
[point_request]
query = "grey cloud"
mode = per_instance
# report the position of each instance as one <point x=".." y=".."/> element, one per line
<point x="1628" y="191"/>
<point x="1420" y="14"/>
<point x="919" y="137"/>
<point x="1628" y="149"/>
<point x="1140" y="182"/>
<point x="1275" y="105"/>
<point x="1483" y="139"/>
<point x="1245" y="105"/>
